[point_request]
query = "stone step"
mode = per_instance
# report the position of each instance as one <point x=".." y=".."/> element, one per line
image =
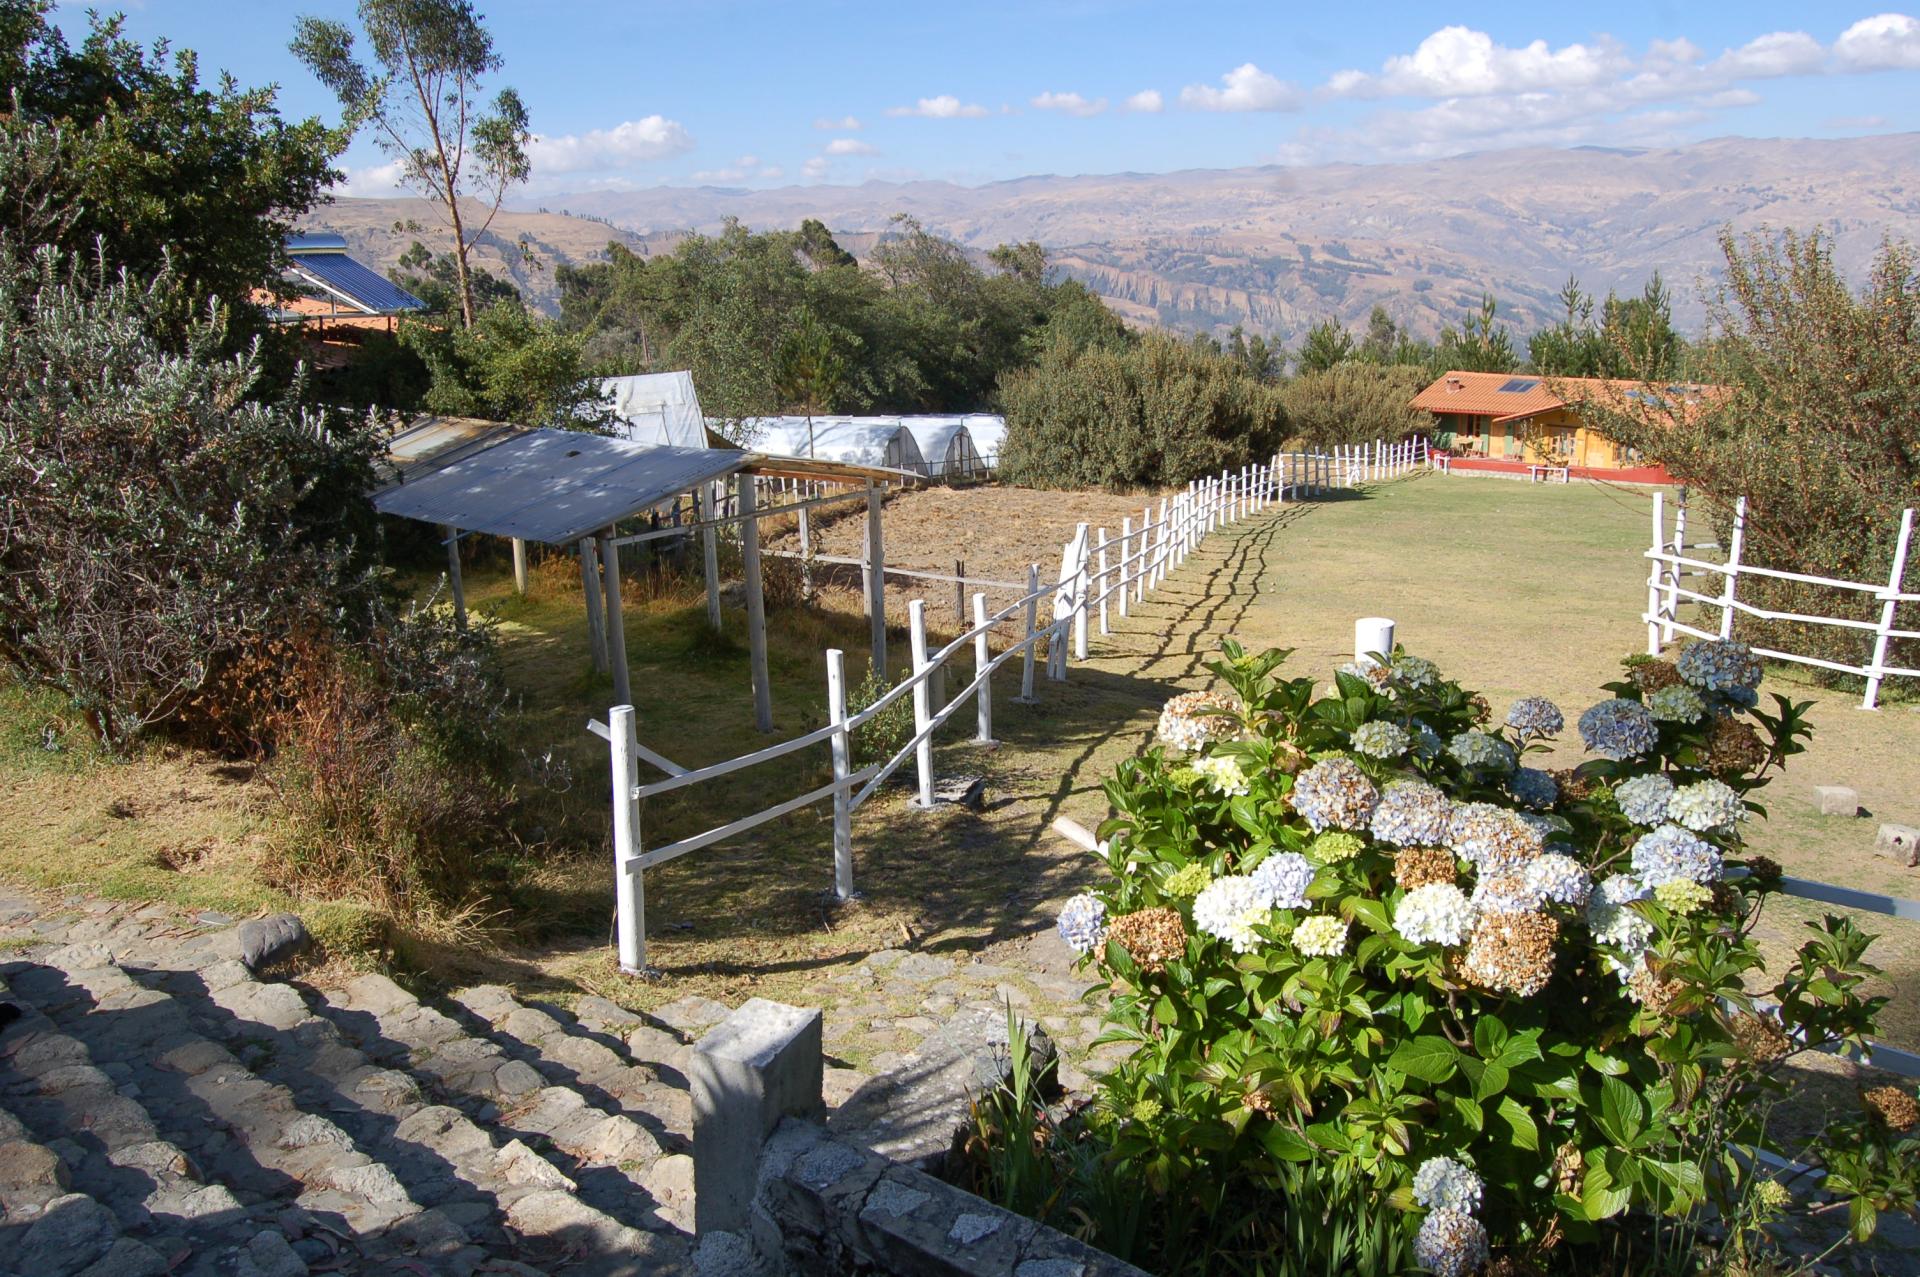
<point x="615" y="1163"/>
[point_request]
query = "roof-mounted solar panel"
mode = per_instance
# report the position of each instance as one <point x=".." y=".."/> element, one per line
<point x="1519" y="385"/>
<point x="346" y="279"/>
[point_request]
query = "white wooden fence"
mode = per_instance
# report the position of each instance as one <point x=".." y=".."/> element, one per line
<point x="1670" y="565"/>
<point x="1359" y="463"/>
<point x="1099" y="576"/>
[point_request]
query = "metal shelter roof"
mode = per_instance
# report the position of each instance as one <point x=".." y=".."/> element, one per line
<point x="554" y="486"/>
<point x="321" y="260"/>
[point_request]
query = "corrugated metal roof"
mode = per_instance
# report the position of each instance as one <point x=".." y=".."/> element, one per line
<point x="339" y="275"/>
<point x="554" y="486"/>
<point x="431" y="442"/>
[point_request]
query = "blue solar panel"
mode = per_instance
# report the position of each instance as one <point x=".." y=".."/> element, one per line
<point x="352" y="280"/>
<point x="1519" y="385"/>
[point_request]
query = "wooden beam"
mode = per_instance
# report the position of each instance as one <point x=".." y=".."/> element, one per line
<point x="519" y="567"/>
<point x="710" y="555"/>
<point x="756" y="604"/>
<point x="590" y="587"/>
<point x="453" y="575"/>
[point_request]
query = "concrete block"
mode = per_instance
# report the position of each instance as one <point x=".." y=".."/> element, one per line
<point x="1899" y="842"/>
<point x="760" y="1064"/>
<point x="1836" y="800"/>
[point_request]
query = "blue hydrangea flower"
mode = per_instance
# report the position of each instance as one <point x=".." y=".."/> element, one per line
<point x="1533" y="787"/>
<point x="1492" y="838"/>
<point x="1619" y="729"/>
<point x="1671" y="852"/>
<point x="1334" y="794"/>
<point x="1533" y="716"/>
<point x="1083" y="923"/>
<point x="1719" y="665"/>
<point x="1412" y="813"/>
<point x="1442" y="1183"/>
<point x="1677" y="703"/>
<point x="1705" y="806"/>
<point x="1559" y="878"/>
<point x="1380" y="739"/>
<point x="1426" y="742"/>
<point x="1477" y="750"/>
<point x="1643" y="800"/>
<point x="1283" y="879"/>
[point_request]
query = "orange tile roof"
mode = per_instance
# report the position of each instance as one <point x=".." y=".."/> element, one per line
<point x="1515" y="396"/>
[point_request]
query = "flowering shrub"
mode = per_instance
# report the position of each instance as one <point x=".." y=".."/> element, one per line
<point x="1509" y="1013"/>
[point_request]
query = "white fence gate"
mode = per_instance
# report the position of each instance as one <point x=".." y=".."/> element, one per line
<point x="1669" y="565"/>
<point x="1097" y="576"/>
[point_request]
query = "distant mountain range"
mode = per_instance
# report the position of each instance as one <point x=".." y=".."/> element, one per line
<point x="1278" y="249"/>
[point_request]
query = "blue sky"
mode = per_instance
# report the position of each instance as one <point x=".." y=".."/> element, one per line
<point x="767" y="94"/>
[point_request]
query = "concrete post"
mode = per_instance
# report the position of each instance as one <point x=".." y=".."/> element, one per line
<point x="842" y="749"/>
<point x="1372" y="634"/>
<point x="981" y="658"/>
<point x="876" y="584"/>
<point x="707" y="510"/>
<point x="760" y="1064"/>
<point x="616" y="619"/>
<point x="629" y="891"/>
<point x="922" y="700"/>
<point x="519" y="567"/>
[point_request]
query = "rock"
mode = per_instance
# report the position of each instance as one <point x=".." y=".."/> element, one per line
<point x="517" y="1077"/>
<point x="70" y="1234"/>
<point x="1836" y="800"/>
<point x="270" y="1255"/>
<point x="31" y="1175"/>
<point x="961" y="791"/>
<point x="981" y="1036"/>
<point x="1899" y="842"/>
<point x="693" y="1014"/>
<point x="270" y="940"/>
<point x="523" y="1166"/>
<point x="128" y="1258"/>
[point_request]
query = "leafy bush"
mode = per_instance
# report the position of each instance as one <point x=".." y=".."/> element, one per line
<point x="1161" y="411"/>
<point x="1354" y="402"/>
<point x="1818" y="426"/>
<point x="1378" y="974"/>
<point x="156" y="523"/>
<point x="886" y="733"/>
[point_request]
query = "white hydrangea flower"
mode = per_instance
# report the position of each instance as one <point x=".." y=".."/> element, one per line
<point x="1411" y="813"/>
<point x="1415" y="673"/>
<point x="1223" y="773"/>
<point x="1508" y="892"/>
<point x="1671" y="852"/>
<point x="1493" y="838"/>
<point x="1083" y="923"/>
<point x="1643" y="800"/>
<point x="1444" y="1184"/>
<point x="1676" y="703"/>
<point x="1436" y="913"/>
<point x="1334" y="794"/>
<point x="1480" y="751"/>
<point x="1706" y="806"/>
<point x="1450" y="1243"/>
<point x="1231" y="908"/>
<point x="1560" y="878"/>
<point x="1321" y="936"/>
<point x="1380" y="739"/>
<point x="1609" y="918"/>
<point x="1284" y="878"/>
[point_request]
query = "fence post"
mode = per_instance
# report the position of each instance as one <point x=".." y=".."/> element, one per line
<point x="1888" y="610"/>
<point x="982" y="657"/>
<point x="629" y="891"/>
<point x="876" y="584"/>
<point x="1102" y="579"/>
<point x="1735" y="544"/>
<point x="1127" y="566"/>
<point x="705" y="510"/>
<point x="590" y="586"/>
<point x="756" y="606"/>
<point x="1673" y="577"/>
<point x="616" y="619"/>
<point x="922" y="697"/>
<point x="1083" y="595"/>
<point x="1026" y="696"/>
<point x="1654" y="569"/>
<point x="519" y="566"/>
<point x="842" y="748"/>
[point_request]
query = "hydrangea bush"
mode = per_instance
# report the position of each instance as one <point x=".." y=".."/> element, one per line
<point x="1365" y="959"/>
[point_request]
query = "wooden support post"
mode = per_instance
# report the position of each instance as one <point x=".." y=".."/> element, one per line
<point x="1734" y="546"/>
<point x="876" y="584"/>
<point x="1889" y="609"/>
<point x="756" y="604"/>
<point x="629" y="890"/>
<point x="960" y="593"/>
<point x="922" y="701"/>
<point x="616" y="620"/>
<point x="842" y="749"/>
<point x="710" y="554"/>
<point x="590" y="587"/>
<point x="982" y="657"/>
<point x="1100" y="582"/>
<point x="1127" y="565"/>
<point x="454" y="585"/>
<point x="806" y="553"/>
<point x="1654" y="570"/>
<point x="519" y="567"/>
<point x="1026" y="696"/>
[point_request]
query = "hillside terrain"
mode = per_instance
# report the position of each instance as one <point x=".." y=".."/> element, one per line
<point x="1278" y="249"/>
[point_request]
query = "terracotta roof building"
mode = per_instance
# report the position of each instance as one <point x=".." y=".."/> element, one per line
<point x="1523" y="418"/>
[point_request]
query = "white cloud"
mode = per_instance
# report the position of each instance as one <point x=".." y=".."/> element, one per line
<point x="850" y="146"/>
<point x="1851" y="123"/>
<point x="622" y="146"/>
<point x="1245" y="88"/>
<point x="1071" y="103"/>
<point x="1461" y="62"/>
<point x="376" y="182"/>
<point x="741" y="170"/>
<point x="1145" y="102"/>
<point x="846" y="122"/>
<point x="944" y="107"/>
<point x="1884" y="42"/>
<point x="815" y="169"/>
<point x="1774" y="54"/>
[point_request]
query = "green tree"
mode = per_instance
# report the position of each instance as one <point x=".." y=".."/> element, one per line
<point x="1634" y="337"/>
<point x="142" y="160"/>
<point x="511" y="365"/>
<point x="425" y="106"/>
<point x="1262" y="358"/>
<point x="1354" y="402"/>
<point x="1573" y="347"/>
<point x="810" y="369"/>
<point x="1328" y="343"/>
<point x="435" y="279"/>
<point x="1479" y="344"/>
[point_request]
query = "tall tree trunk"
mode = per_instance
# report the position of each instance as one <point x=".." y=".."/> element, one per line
<point x="460" y="263"/>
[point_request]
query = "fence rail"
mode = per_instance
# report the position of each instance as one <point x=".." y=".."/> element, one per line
<point x="1098" y="576"/>
<point x="1669" y="565"/>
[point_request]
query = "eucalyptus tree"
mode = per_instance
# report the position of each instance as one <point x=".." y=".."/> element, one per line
<point x="423" y="97"/>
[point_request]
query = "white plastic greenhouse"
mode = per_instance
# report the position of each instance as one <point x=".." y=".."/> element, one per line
<point x="863" y="441"/>
<point x="660" y="407"/>
<point x="988" y="433"/>
<point x="947" y="445"/>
